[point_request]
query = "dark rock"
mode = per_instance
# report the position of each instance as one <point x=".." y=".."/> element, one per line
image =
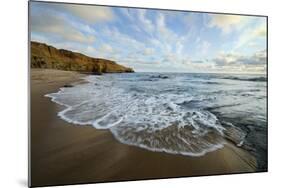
<point x="160" y="76"/>
<point x="68" y="85"/>
<point x="96" y="73"/>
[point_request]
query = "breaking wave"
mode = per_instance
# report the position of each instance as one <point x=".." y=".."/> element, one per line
<point x="169" y="114"/>
<point x="157" y="122"/>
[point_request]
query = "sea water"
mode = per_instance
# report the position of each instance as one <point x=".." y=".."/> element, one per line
<point x="178" y="113"/>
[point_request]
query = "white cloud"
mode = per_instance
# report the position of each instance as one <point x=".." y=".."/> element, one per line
<point x="105" y="48"/>
<point x="123" y="40"/>
<point x="179" y="47"/>
<point x="227" y="23"/>
<point x="191" y="19"/>
<point x="90" y="14"/>
<point x="148" y="40"/>
<point x="125" y="12"/>
<point x="249" y="35"/>
<point x="167" y="40"/>
<point x="148" y="51"/>
<point x="161" y="25"/>
<point x="55" y="25"/>
<point x="260" y="57"/>
<point x="260" y="31"/>
<point x="164" y="32"/>
<point x="241" y="63"/>
<point x="189" y="65"/>
<point x="147" y="24"/>
<point x="204" y="46"/>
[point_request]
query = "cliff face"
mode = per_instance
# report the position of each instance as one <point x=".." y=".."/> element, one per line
<point x="45" y="56"/>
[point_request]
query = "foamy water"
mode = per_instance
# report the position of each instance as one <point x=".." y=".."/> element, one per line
<point x="187" y="114"/>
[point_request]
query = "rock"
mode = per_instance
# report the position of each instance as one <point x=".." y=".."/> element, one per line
<point x="96" y="73"/>
<point x="160" y="76"/>
<point x="68" y="85"/>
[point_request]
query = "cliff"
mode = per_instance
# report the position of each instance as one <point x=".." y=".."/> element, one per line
<point x="45" y="56"/>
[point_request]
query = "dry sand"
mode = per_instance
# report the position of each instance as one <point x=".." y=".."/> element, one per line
<point x="63" y="153"/>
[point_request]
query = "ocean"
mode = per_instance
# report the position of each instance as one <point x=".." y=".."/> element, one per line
<point x="178" y="113"/>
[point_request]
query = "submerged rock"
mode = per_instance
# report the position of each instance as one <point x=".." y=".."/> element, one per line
<point x="68" y="85"/>
<point x="160" y="76"/>
<point x="96" y="73"/>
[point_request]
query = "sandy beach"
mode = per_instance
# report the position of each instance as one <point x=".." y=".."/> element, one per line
<point x="64" y="153"/>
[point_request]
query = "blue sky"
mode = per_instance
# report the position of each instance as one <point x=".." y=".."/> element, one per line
<point x="154" y="40"/>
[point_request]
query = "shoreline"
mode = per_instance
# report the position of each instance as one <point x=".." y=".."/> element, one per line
<point x="65" y="153"/>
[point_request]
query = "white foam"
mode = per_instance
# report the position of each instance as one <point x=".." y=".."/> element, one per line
<point x="152" y="120"/>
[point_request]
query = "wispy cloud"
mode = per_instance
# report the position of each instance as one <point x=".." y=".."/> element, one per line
<point x="53" y="24"/>
<point x="90" y="14"/>
<point x="250" y="35"/>
<point x="253" y="63"/>
<point x="150" y="40"/>
<point x="227" y="23"/>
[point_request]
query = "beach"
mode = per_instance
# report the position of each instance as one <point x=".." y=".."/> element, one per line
<point x="65" y="153"/>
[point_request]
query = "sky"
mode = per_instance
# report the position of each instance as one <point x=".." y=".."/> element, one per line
<point x="150" y="40"/>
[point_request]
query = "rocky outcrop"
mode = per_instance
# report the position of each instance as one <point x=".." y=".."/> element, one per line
<point x="45" y="56"/>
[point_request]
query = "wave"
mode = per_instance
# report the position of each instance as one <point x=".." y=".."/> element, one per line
<point x="255" y="79"/>
<point x="157" y="122"/>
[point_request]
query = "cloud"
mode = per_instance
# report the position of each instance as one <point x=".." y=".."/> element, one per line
<point x="122" y="40"/>
<point x="48" y="23"/>
<point x="191" y="18"/>
<point x="129" y="50"/>
<point x="166" y="39"/>
<point x="126" y="13"/>
<point x="204" y="46"/>
<point x="105" y="48"/>
<point x="226" y="59"/>
<point x="192" y="65"/>
<point x="161" y="25"/>
<point x="153" y="40"/>
<point x="148" y="51"/>
<point x="232" y="61"/>
<point x="146" y="23"/>
<point x="164" y="32"/>
<point x="90" y="14"/>
<point x="260" y="57"/>
<point x="197" y="61"/>
<point x="227" y="23"/>
<point x="260" y="31"/>
<point x="251" y="34"/>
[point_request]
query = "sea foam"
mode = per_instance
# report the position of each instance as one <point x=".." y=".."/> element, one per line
<point x="143" y="116"/>
<point x="178" y="113"/>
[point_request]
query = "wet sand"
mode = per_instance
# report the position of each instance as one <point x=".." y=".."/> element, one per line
<point x="64" y="153"/>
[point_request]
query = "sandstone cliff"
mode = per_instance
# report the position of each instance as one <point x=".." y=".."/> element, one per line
<point x="45" y="56"/>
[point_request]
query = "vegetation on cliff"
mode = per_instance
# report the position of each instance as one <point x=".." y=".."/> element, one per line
<point x="45" y="56"/>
